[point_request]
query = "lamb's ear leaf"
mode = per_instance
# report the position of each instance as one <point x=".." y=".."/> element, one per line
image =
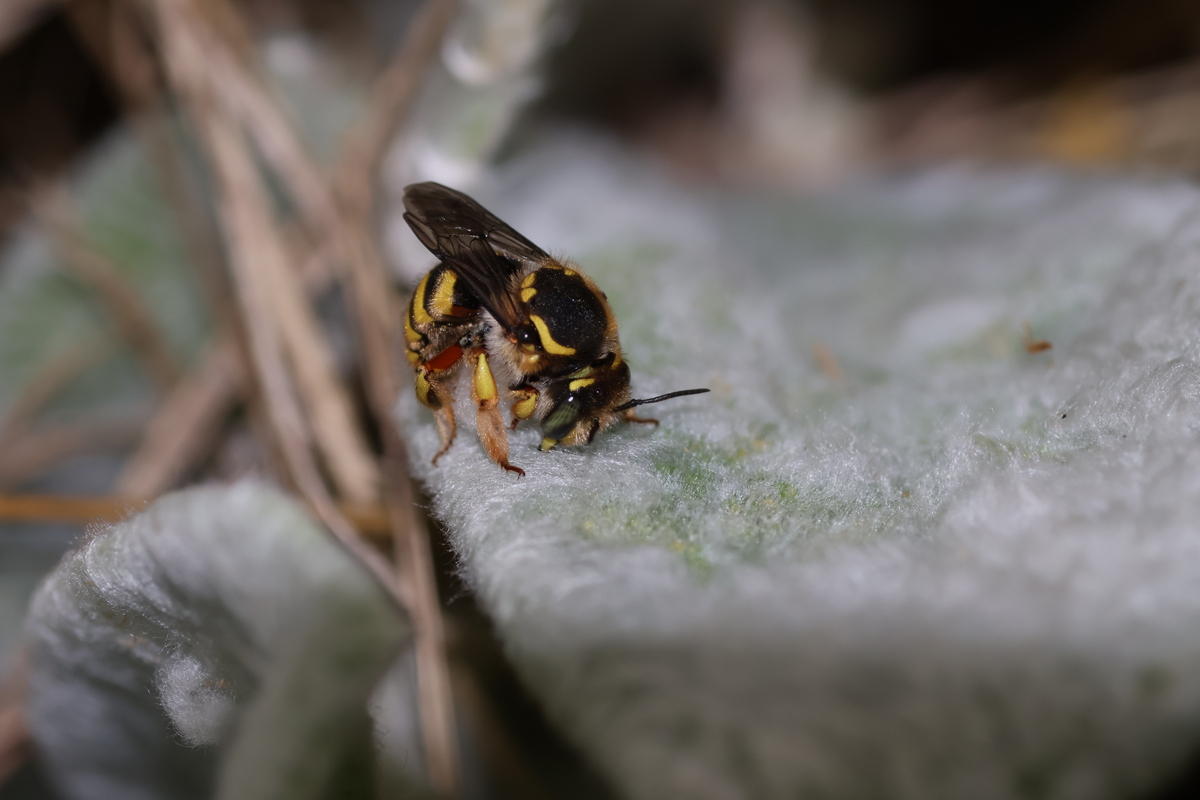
<point x="758" y="571"/>
<point x="231" y="603"/>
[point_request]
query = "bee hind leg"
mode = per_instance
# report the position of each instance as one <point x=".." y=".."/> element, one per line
<point x="488" y="420"/>
<point x="433" y="390"/>
<point x="444" y="417"/>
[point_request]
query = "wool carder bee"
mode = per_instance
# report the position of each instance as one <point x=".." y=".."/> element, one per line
<point x="532" y="329"/>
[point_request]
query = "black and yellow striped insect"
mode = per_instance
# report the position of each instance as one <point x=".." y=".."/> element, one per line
<point x="533" y="330"/>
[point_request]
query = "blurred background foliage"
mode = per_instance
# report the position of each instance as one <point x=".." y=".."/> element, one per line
<point x="781" y="95"/>
<point x="709" y="84"/>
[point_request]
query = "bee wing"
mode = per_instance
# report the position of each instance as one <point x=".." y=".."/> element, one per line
<point x="483" y="251"/>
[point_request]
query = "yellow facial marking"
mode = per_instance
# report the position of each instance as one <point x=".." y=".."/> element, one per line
<point x="548" y="342"/>
<point x="418" y="303"/>
<point x="578" y="384"/>
<point x="547" y="443"/>
<point x="413" y="358"/>
<point x="529" y="279"/>
<point x="443" y="294"/>
<point x="568" y="272"/>
<point x="524" y="408"/>
<point x="485" y="384"/>
<point x="527" y="294"/>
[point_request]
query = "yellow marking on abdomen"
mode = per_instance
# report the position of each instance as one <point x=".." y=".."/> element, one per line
<point x="423" y="389"/>
<point x="442" y="301"/>
<point x="547" y="443"/>
<point x="410" y="333"/>
<point x="579" y="383"/>
<point x="485" y="384"/>
<point x="548" y="342"/>
<point x="418" y="303"/>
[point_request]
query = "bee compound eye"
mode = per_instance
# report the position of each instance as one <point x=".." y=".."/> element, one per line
<point x="562" y="418"/>
<point x="527" y="336"/>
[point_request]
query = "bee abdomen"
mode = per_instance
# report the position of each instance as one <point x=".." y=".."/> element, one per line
<point x="442" y="297"/>
<point x="570" y="318"/>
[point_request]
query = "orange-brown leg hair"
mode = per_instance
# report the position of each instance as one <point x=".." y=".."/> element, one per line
<point x="433" y="390"/>
<point x="444" y="417"/>
<point x="488" y="419"/>
<point x="631" y="417"/>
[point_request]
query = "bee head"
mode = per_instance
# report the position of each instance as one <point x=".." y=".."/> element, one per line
<point x="583" y="401"/>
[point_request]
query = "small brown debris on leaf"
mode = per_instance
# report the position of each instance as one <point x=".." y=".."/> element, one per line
<point x="1033" y="345"/>
<point x="828" y="363"/>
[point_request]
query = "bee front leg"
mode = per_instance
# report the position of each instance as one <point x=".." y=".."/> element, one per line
<point x="488" y="419"/>
<point x="629" y="416"/>
<point x="524" y="403"/>
<point x="447" y="428"/>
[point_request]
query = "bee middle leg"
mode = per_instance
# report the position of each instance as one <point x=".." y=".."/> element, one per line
<point x="488" y="420"/>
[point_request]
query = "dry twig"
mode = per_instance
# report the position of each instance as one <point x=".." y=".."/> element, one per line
<point x="257" y="261"/>
<point x="54" y="376"/>
<point x="343" y="223"/>
<point x="186" y="425"/>
<point x="118" y="41"/>
<point x="124" y="306"/>
<point x="184" y="428"/>
<point x="87" y="509"/>
<point x="245" y="98"/>
<point x="15" y="744"/>
<point x="194" y="60"/>
<point x="34" y="453"/>
<point x="18" y="16"/>
<point x="347" y="219"/>
<point x="370" y="289"/>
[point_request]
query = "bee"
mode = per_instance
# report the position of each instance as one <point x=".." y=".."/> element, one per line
<point x="531" y="329"/>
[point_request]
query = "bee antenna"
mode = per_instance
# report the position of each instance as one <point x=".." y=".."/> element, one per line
<point x="659" y="399"/>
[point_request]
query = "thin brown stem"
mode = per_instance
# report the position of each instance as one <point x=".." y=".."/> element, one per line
<point x="37" y="452"/>
<point x="87" y="509"/>
<point x="197" y="57"/>
<point x="344" y="222"/>
<point x="252" y="242"/>
<point x="392" y="98"/>
<point x="370" y="289"/>
<point x="52" y="377"/>
<point x="124" y="306"/>
<point x="347" y="219"/>
<point x="186" y="426"/>
<point x="16" y="746"/>
<point x="18" y="16"/>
